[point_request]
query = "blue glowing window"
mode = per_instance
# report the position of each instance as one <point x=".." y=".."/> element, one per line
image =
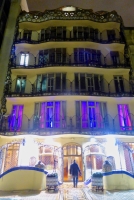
<point x="91" y="103"/>
<point x="49" y="103"/>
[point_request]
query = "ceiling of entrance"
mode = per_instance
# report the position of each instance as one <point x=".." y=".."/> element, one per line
<point x="124" y="8"/>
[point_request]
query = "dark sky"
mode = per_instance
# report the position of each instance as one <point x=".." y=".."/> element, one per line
<point x="125" y="8"/>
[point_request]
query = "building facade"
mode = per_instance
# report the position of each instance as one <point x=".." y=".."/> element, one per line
<point x="68" y="93"/>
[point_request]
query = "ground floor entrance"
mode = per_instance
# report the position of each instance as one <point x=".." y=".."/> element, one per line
<point x="71" y="152"/>
<point x="68" y="160"/>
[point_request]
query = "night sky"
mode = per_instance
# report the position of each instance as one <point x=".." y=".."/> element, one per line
<point x="125" y="8"/>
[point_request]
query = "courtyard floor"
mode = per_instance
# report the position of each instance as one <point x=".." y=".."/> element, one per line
<point x="67" y="192"/>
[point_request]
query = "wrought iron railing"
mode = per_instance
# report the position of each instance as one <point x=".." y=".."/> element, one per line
<point x="82" y="59"/>
<point x="56" y="124"/>
<point x="78" y="14"/>
<point x="116" y="88"/>
<point x="71" y="39"/>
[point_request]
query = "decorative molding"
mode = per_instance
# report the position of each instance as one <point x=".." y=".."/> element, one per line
<point x="78" y="14"/>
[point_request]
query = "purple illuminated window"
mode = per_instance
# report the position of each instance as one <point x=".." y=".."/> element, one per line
<point x="15" y="119"/>
<point x="53" y="114"/>
<point x="92" y="113"/>
<point x="124" y="117"/>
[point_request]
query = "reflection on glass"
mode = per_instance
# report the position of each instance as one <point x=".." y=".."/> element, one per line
<point x="21" y="84"/>
<point x="24" y="59"/>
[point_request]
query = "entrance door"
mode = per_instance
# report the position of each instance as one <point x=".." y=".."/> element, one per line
<point x="72" y="152"/>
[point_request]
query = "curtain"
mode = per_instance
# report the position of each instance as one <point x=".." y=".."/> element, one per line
<point x="42" y="115"/>
<point x="57" y="115"/>
<point x="84" y="114"/>
<point x="63" y="114"/>
<point x="124" y="116"/>
<point x="127" y="117"/>
<point x="99" y="118"/>
<point x="12" y="118"/>
<point x="49" y="114"/>
<point x="20" y="116"/>
<point x="15" y="119"/>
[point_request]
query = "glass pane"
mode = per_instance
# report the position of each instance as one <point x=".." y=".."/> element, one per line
<point x="44" y="83"/>
<point x="96" y="83"/>
<point x="64" y="81"/>
<point x="23" y="84"/>
<point x="18" y="85"/>
<point x="26" y="59"/>
<point x="22" y="59"/>
<point x="58" y="82"/>
<point x="76" y="82"/>
<point x="38" y="83"/>
<point x="82" y="82"/>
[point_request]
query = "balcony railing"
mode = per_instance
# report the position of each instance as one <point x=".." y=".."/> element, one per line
<point x="79" y="59"/>
<point x="115" y="88"/>
<point x="33" y="37"/>
<point x="100" y="125"/>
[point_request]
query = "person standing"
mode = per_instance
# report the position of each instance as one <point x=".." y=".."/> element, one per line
<point x="75" y="171"/>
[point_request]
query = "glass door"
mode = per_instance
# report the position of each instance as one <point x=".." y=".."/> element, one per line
<point x="71" y="152"/>
<point x="119" y="85"/>
<point x="20" y="84"/>
<point x="68" y="160"/>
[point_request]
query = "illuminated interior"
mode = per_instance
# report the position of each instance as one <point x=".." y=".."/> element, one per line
<point x="72" y="152"/>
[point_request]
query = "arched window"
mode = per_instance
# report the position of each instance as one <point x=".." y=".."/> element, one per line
<point x="72" y="149"/>
<point x="46" y="155"/>
<point x="11" y="157"/>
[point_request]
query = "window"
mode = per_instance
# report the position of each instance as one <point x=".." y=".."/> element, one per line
<point x="20" y="84"/>
<point x="46" y="155"/>
<point x="27" y="35"/>
<point x="124" y="117"/>
<point x="111" y="35"/>
<point x="85" y="33"/>
<point x="50" y="114"/>
<point x="115" y="57"/>
<point x="91" y="114"/>
<point x="119" y="85"/>
<point x="72" y="149"/>
<point x="12" y="155"/>
<point x="15" y="119"/>
<point x="53" y="33"/>
<point x="88" y="56"/>
<point x="88" y="82"/>
<point x="24" y="59"/>
<point x="51" y="82"/>
<point x="52" y="56"/>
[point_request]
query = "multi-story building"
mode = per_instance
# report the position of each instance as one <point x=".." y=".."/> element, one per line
<point x="68" y="93"/>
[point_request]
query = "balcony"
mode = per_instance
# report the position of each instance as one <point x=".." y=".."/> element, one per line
<point x="56" y="125"/>
<point x="76" y="59"/>
<point x="54" y="34"/>
<point x="53" y="87"/>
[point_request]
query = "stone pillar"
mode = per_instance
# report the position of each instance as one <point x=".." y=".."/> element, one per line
<point x="7" y="42"/>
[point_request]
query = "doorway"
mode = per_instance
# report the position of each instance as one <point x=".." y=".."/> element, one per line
<point x="71" y="152"/>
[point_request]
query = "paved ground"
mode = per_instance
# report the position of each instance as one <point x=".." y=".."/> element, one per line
<point x="67" y="192"/>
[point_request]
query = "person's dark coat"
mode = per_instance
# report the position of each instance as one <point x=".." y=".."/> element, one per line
<point x="74" y="169"/>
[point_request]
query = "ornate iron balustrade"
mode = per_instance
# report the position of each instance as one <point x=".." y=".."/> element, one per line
<point x="21" y="40"/>
<point x="71" y="39"/>
<point x="56" y="124"/>
<point x="83" y="60"/>
<point x="102" y="88"/>
<point x="78" y="14"/>
<point x="89" y="35"/>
